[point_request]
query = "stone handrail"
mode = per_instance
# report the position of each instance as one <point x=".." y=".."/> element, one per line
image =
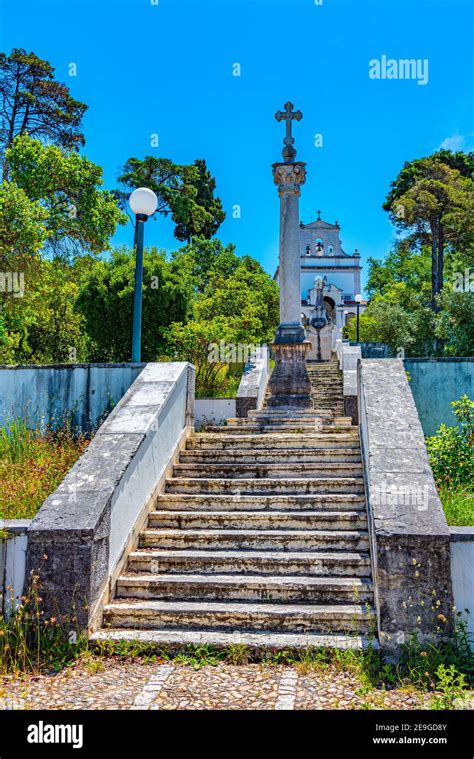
<point x="251" y="392"/>
<point x="349" y="356"/>
<point x="410" y="538"/>
<point x="80" y="537"/>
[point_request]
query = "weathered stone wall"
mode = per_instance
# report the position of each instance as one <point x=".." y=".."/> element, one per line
<point x="435" y="382"/>
<point x="409" y="534"/>
<point x="42" y="394"/>
<point x="348" y="356"/>
<point x="80" y="535"/>
<point x="251" y="392"/>
<point x="13" y="544"/>
<point x="462" y="571"/>
<point x="214" y="410"/>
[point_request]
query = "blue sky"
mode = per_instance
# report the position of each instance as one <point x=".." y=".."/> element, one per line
<point x="167" y="69"/>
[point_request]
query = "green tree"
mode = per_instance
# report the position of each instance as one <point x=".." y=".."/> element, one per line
<point x="203" y="260"/>
<point x="184" y="192"/>
<point x="204" y="225"/>
<point x="80" y="215"/>
<point x="433" y="202"/>
<point x="41" y="326"/>
<point x="31" y="100"/>
<point x="236" y="305"/>
<point x="106" y="304"/>
<point x="455" y="323"/>
<point x="193" y="342"/>
<point x="23" y="229"/>
<point x="396" y="326"/>
<point x="400" y="314"/>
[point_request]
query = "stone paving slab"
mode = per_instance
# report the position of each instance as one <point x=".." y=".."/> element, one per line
<point x="130" y="685"/>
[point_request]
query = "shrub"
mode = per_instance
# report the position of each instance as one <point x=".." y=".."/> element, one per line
<point x="450" y="450"/>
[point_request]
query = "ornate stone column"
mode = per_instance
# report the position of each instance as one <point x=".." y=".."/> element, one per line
<point x="289" y="383"/>
<point x="288" y="178"/>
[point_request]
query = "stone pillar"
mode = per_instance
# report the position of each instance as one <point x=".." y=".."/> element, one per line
<point x="289" y="382"/>
<point x="289" y="177"/>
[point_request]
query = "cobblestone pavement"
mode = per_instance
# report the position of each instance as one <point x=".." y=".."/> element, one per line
<point x="119" y="684"/>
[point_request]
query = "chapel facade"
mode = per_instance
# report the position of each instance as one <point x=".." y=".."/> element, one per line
<point x="322" y="257"/>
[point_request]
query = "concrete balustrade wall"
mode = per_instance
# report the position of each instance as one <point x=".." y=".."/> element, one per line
<point x="253" y="385"/>
<point x="80" y="537"/>
<point x="410" y="539"/>
<point x="214" y="410"/>
<point x="45" y="394"/>
<point x="348" y="358"/>
<point x="13" y="545"/>
<point x="462" y="571"/>
<point x="435" y="382"/>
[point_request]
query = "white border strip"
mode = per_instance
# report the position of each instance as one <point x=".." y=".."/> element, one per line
<point x="152" y="688"/>
<point x="287" y="691"/>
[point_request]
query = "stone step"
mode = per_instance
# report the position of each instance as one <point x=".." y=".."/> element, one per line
<point x="264" y="456"/>
<point x="277" y="441"/>
<point x="282" y="411"/>
<point x="320" y="398"/>
<point x="274" y="502"/>
<point x="296" y="618"/>
<point x="295" y="428"/>
<point x="255" y="641"/>
<point x="258" y="520"/>
<point x="311" y="563"/>
<point x="265" y="588"/>
<point x="297" y="421"/>
<point x="262" y="485"/>
<point x="314" y="374"/>
<point x="258" y="471"/>
<point x="266" y="425"/>
<point x="264" y="540"/>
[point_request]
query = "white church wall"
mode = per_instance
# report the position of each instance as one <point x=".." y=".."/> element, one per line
<point x="213" y="410"/>
<point x="343" y="280"/>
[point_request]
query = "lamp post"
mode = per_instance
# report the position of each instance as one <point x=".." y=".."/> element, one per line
<point x="358" y="300"/>
<point x="143" y="203"/>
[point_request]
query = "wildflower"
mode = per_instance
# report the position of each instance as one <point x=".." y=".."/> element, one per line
<point x="423" y="653"/>
<point x="442" y="618"/>
<point x="418" y="620"/>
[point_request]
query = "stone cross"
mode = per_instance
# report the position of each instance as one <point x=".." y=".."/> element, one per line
<point x="288" y="115"/>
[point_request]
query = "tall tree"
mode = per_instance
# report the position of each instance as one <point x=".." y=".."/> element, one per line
<point x="433" y="202"/>
<point x="80" y="215"/>
<point x="106" y="304"/>
<point x="184" y="192"/>
<point x="33" y="101"/>
<point x="205" y="225"/>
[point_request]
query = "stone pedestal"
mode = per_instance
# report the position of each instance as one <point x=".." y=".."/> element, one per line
<point x="289" y="382"/>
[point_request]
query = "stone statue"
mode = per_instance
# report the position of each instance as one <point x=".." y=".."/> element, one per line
<point x="319" y="317"/>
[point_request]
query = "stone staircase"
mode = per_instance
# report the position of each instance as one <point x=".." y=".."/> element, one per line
<point x="259" y="538"/>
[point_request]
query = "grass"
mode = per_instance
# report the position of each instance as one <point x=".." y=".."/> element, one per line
<point x="458" y="505"/>
<point x="30" y="642"/>
<point x="223" y="384"/>
<point x="33" y="464"/>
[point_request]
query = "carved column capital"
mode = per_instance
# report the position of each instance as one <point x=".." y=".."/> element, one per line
<point x="289" y="177"/>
